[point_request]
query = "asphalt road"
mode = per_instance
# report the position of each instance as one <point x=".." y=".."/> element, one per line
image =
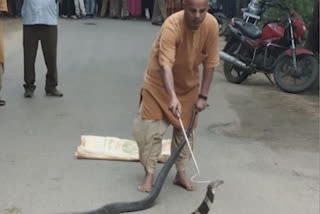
<point x="262" y="142"/>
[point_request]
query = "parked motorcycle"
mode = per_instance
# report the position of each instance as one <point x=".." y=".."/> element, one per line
<point x="270" y="50"/>
<point x="215" y="9"/>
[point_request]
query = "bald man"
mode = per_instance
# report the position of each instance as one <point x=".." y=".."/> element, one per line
<point x="172" y="87"/>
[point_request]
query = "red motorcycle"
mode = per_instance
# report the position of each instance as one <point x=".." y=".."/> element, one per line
<point x="272" y="50"/>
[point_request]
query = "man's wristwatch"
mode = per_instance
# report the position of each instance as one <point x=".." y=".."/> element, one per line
<point x="203" y="97"/>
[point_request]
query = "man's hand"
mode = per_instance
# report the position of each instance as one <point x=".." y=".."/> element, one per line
<point x="206" y="81"/>
<point x="175" y="107"/>
<point x="201" y="105"/>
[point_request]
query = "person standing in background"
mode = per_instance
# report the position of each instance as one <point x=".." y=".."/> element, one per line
<point x="147" y="8"/>
<point x="14" y="7"/>
<point x="174" y="6"/>
<point x="159" y="12"/>
<point x="19" y="4"/>
<point x="11" y="5"/>
<point x="3" y="8"/>
<point x="98" y="7"/>
<point x="67" y="9"/>
<point x="104" y="7"/>
<point x="40" y="27"/>
<point x="90" y="7"/>
<point x="118" y="8"/>
<point x="80" y="8"/>
<point x="134" y="7"/>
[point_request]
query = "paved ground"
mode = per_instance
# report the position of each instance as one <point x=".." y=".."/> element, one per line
<point x="262" y="142"/>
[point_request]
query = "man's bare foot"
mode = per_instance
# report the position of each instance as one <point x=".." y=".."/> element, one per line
<point x="147" y="185"/>
<point x="182" y="180"/>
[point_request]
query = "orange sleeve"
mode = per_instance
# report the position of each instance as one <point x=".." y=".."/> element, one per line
<point x="3" y="6"/>
<point x="212" y="45"/>
<point x="167" y="44"/>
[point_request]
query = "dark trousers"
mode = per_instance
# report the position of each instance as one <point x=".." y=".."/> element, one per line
<point x="147" y="4"/>
<point x="48" y="36"/>
<point x="67" y="8"/>
<point x="98" y="6"/>
<point x="14" y="7"/>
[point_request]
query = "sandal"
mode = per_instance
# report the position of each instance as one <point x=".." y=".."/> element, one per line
<point x="2" y="102"/>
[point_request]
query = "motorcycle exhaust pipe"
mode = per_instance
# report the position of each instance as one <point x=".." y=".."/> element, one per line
<point x="228" y="58"/>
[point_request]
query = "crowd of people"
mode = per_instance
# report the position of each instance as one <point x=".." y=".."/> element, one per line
<point x="155" y="10"/>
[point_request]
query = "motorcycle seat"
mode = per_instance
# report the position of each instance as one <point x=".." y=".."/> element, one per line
<point x="248" y="29"/>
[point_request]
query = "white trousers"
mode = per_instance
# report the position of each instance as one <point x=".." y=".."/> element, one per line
<point x="79" y="7"/>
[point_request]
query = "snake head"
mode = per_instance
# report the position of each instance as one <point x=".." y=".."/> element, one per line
<point x="214" y="185"/>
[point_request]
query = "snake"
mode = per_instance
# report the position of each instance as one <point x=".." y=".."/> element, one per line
<point x="147" y="202"/>
<point x="205" y="206"/>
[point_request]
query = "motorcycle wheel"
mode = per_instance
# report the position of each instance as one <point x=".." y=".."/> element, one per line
<point x="223" y="26"/>
<point x="298" y="81"/>
<point x="232" y="73"/>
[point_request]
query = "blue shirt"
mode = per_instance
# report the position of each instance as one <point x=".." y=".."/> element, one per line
<point x="40" y="12"/>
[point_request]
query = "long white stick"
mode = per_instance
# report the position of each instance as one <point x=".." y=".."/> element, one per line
<point x="192" y="155"/>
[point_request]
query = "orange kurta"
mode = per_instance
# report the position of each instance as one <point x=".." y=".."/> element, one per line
<point x="3" y="8"/>
<point x="185" y="50"/>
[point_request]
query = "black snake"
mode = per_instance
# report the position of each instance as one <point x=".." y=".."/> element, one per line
<point x="204" y="208"/>
<point x="122" y="207"/>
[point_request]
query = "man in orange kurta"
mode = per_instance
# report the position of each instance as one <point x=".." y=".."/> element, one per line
<point x="3" y="8"/>
<point x="172" y="85"/>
